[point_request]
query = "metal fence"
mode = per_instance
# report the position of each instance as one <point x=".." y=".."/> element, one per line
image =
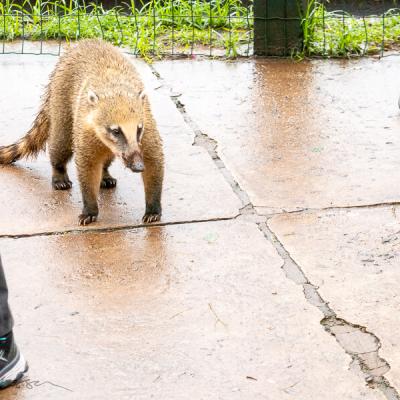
<point x="152" y="28"/>
<point x="372" y="28"/>
<point x="227" y="28"/>
<point x="334" y="28"/>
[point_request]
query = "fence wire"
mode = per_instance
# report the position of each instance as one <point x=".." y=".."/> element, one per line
<point x="226" y="28"/>
<point x="356" y="32"/>
<point x="147" y="28"/>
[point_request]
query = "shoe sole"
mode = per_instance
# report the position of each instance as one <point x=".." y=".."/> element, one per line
<point x="15" y="371"/>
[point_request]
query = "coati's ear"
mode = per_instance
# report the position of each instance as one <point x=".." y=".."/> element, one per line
<point x="142" y="95"/>
<point x="92" y="97"/>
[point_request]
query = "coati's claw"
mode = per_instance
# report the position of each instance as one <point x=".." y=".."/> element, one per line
<point x="85" y="219"/>
<point x="149" y="218"/>
<point x="62" y="184"/>
<point x="153" y="212"/>
<point x="108" y="183"/>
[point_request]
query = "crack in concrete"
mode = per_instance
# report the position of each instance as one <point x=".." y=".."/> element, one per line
<point x="207" y="143"/>
<point x="113" y="228"/>
<point x="360" y="344"/>
<point x="393" y="204"/>
<point x="372" y="365"/>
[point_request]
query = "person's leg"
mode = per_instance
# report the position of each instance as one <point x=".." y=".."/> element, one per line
<point x="6" y="320"/>
<point x="12" y="363"/>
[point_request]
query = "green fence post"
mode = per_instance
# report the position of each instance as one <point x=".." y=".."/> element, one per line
<point x="277" y="26"/>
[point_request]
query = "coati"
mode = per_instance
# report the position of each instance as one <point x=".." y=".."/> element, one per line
<point x="95" y="106"/>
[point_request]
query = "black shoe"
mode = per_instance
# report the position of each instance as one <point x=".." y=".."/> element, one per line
<point x="12" y="362"/>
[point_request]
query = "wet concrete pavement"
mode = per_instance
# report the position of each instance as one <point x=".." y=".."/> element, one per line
<point x="294" y="135"/>
<point x="168" y="312"/>
<point x="253" y="302"/>
<point x="353" y="257"/>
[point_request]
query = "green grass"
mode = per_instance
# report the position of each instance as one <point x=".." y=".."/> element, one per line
<point x="185" y="26"/>
<point x="151" y="30"/>
<point x="339" y="34"/>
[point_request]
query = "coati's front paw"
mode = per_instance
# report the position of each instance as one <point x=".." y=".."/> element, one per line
<point x="62" y="184"/>
<point x="108" y="183"/>
<point x="148" y="218"/>
<point x="153" y="213"/>
<point x="87" y="218"/>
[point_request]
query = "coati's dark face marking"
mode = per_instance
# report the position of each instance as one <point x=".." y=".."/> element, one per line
<point x="118" y="122"/>
<point x="131" y="155"/>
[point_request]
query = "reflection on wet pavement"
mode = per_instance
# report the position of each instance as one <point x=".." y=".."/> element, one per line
<point x="299" y="135"/>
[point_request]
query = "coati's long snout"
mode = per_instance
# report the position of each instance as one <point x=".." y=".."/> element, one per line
<point x="133" y="161"/>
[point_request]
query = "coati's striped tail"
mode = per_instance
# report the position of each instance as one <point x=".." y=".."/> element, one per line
<point x="32" y="143"/>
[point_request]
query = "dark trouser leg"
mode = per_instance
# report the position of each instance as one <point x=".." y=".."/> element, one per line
<point x="6" y="319"/>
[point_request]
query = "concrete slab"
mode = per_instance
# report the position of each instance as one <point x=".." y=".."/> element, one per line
<point x="353" y="257"/>
<point x="30" y="205"/>
<point x="199" y="310"/>
<point x="299" y="135"/>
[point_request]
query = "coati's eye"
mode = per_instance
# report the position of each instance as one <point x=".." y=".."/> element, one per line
<point x="115" y="131"/>
<point x="139" y="132"/>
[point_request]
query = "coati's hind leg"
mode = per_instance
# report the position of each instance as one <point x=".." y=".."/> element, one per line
<point x="90" y="174"/>
<point x="60" y="150"/>
<point x="107" y="181"/>
<point x="60" y="179"/>
<point x="153" y="175"/>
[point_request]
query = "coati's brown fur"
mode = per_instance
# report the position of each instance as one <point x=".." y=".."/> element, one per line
<point x="94" y="106"/>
